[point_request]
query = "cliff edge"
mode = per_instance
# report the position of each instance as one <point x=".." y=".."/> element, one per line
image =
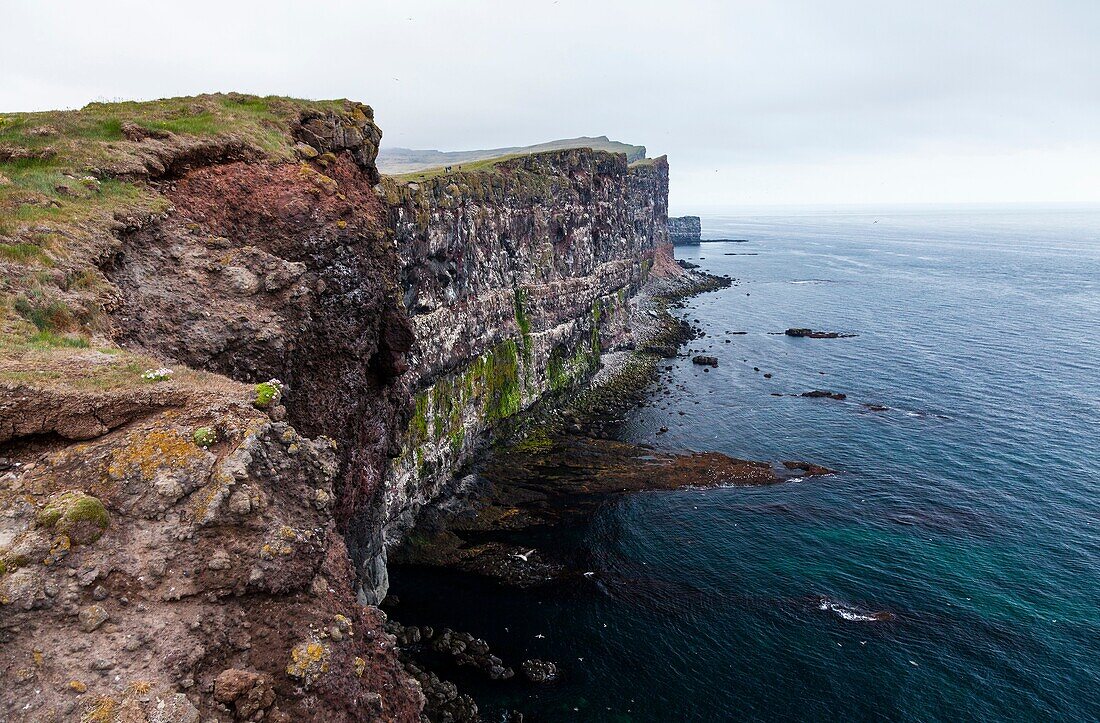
<point x="171" y="545"/>
<point x="235" y="360"/>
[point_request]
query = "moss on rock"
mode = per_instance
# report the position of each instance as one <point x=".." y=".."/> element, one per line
<point x="80" y="516"/>
<point x="268" y="394"/>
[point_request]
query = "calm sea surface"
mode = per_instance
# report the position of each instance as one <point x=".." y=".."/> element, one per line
<point x="969" y="509"/>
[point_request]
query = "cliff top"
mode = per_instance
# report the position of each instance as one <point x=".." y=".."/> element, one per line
<point x="71" y="181"/>
<point x="406" y="162"/>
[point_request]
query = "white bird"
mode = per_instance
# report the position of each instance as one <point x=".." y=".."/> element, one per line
<point x="540" y="636"/>
<point x="589" y="574"/>
<point x="523" y="556"/>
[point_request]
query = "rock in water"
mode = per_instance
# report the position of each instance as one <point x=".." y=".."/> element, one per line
<point x="825" y="393"/>
<point x="539" y="671"/>
<point x="705" y="360"/>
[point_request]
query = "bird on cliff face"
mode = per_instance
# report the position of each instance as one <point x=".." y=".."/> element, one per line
<point x="523" y="556"/>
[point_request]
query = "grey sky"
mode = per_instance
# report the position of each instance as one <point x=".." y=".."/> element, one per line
<point x="796" y="101"/>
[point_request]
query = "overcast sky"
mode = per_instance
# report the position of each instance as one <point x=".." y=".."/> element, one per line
<point x="754" y="102"/>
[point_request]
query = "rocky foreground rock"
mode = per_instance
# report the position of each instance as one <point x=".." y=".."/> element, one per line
<point x="236" y="361"/>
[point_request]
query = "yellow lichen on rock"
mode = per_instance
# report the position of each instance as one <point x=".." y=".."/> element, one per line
<point x="140" y="687"/>
<point x="161" y="449"/>
<point x="319" y="180"/>
<point x="308" y="661"/>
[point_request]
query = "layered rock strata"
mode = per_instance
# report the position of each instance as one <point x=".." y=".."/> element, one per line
<point x="516" y="281"/>
<point x="684" y="229"/>
<point x="173" y="543"/>
<point x="235" y="362"/>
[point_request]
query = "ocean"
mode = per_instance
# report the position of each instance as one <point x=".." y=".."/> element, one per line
<point x="950" y="570"/>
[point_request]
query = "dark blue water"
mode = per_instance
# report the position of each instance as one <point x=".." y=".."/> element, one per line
<point x="969" y="509"/>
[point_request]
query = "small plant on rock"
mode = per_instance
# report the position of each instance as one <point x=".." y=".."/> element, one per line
<point x="205" y="437"/>
<point x="268" y="394"/>
<point x="156" y="375"/>
<point x="76" y="514"/>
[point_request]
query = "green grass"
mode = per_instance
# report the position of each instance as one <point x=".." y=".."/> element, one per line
<point x="47" y="316"/>
<point x="49" y="339"/>
<point x="198" y="125"/>
<point x="21" y="253"/>
<point x="488" y="164"/>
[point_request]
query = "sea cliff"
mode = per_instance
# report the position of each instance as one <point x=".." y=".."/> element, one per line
<point x="516" y="278"/>
<point x="236" y="360"/>
<point x="684" y="229"/>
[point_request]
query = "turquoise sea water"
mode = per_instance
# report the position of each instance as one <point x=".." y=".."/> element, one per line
<point x="969" y="510"/>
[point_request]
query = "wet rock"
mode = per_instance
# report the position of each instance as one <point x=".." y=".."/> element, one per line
<point x="449" y="642"/>
<point x="811" y="334"/>
<point x="539" y="671"/>
<point x="824" y="393"/>
<point x="809" y="469"/>
<point x="443" y="702"/>
<point x="704" y="360"/>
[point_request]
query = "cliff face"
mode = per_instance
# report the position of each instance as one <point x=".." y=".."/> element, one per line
<point x="684" y="229"/>
<point x="179" y="543"/>
<point x="172" y="547"/>
<point x="516" y="278"/>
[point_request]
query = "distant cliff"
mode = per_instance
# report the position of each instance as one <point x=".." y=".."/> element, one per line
<point x="407" y="160"/>
<point x="684" y="229"/>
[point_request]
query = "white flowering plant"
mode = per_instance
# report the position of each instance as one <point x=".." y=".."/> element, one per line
<point x="156" y="375"/>
<point x="268" y="393"/>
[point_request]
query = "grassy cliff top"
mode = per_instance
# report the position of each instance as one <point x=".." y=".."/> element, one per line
<point x="70" y="181"/>
<point x="406" y="163"/>
<point x="54" y="165"/>
<point x="493" y="165"/>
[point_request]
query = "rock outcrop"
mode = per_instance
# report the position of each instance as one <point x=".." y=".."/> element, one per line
<point x="173" y="543"/>
<point x="684" y="229"/>
<point x="516" y="279"/>
<point x="235" y="361"/>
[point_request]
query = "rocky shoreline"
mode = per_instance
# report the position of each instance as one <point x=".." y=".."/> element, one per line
<point x="238" y="364"/>
<point x="554" y="468"/>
